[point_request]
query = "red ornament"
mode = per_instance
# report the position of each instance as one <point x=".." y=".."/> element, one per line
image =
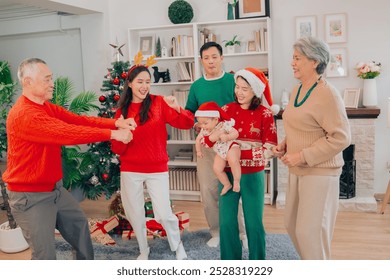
<point x="116" y="81"/>
<point x="102" y="98"/>
<point x="116" y="97"/>
<point x="105" y="176"/>
<point x="124" y="75"/>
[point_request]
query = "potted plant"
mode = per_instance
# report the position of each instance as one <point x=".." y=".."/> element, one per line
<point x="72" y="156"/>
<point x="231" y="44"/>
<point x="11" y="237"/>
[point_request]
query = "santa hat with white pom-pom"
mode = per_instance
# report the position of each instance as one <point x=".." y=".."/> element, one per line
<point x="259" y="84"/>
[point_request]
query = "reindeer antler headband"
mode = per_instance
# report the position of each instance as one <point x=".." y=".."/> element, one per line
<point x="138" y="59"/>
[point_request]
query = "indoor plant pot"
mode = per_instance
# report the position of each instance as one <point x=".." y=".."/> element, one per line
<point x="11" y="240"/>
<point x="11" y="237"/>
<point x="231" y="45"/>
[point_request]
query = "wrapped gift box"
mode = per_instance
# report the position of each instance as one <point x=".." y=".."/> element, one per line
<point x="149" y="209"/>
<point x="184" y="220"/>
<point x="104" y="239"/>
<point x="103" y="227"/>
<point x="122" y="226"/>
<point x="130" y="234"/>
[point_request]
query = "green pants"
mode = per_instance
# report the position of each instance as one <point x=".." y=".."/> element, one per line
<point x="252" y="194"/>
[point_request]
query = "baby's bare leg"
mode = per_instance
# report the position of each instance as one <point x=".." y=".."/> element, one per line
<point x="219" y="166"/>
<point x="233" y="157"/>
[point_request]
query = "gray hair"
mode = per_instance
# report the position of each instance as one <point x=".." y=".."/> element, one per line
<point x="314" y="49"/>
<point x="27" y="66"/>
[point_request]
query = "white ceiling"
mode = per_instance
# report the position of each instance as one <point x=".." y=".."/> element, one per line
<point x="14" y="9"/>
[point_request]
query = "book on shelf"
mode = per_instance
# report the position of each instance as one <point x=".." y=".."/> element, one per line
<point x="207" y="36"/>
<point x="183" y="179"/>
<point x="184" y="155"/>
<point x="261" y="39"/>
<point x="185" y="70"/>
<point x="182" y="45"/>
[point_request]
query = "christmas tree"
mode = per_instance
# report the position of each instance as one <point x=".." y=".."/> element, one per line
<point x="99" y="166"/>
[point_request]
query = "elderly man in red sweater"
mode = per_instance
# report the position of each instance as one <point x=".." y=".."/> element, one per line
<point x="36" y="130"/>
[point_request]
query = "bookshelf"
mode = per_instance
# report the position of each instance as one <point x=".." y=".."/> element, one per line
<point x="181" y="43"/>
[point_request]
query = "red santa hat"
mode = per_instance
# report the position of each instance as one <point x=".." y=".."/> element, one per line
<point x="211" y="110"/>
<point x="259" y="84"/>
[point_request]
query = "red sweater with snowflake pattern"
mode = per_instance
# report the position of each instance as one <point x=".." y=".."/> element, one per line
<point x="35" y="135"/>
<point x="147" y="152"/>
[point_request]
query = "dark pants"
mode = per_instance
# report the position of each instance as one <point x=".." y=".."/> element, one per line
<point x="39" y="213"/>
<point x="252" y="195"/>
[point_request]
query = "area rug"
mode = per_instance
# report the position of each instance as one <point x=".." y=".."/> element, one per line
<point x="279" y="247"/>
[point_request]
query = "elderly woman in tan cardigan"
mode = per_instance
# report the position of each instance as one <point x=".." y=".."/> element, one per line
<point x="317" y="131"/>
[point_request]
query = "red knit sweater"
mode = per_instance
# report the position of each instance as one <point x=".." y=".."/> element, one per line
<point x="147" y="152"/>
<point x="35" y="135"/>
<point x="255" y="128"/>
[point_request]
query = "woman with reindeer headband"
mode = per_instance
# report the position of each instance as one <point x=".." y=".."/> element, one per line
<point x="145" y="160"/>
<point x="257" y="135"/>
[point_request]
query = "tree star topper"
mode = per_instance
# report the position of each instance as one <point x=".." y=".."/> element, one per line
<point x="118" y="50"/>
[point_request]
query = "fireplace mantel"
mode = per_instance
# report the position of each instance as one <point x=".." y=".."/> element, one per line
<point x="358" y="113"/>
<point x="362" y="123"/>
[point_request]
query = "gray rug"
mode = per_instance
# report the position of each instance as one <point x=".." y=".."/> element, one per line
<point x="279" y="247"/>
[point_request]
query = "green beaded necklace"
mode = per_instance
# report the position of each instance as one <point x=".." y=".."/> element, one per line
<point x="296" y="104"/>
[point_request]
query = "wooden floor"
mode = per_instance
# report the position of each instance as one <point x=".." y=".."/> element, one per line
<point x="358" y="236"/>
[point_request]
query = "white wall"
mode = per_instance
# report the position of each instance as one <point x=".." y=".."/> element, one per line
<point x="367" y="39"/>
<point x="368" y="27"/>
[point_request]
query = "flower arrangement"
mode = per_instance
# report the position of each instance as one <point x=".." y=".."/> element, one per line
<point x="368" y="70"/>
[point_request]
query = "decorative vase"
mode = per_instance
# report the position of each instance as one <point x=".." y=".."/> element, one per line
<point x="230" y="12"/>
<point x="12" y="240"/>
<point x="370" y="98"/>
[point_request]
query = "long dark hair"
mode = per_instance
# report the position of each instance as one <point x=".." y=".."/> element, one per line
<point x="127" y="95"/>
<point x="255" y="102"/>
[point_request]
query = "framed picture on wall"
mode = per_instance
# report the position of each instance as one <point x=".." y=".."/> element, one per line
<point x="337" y="66"/>
<point x="305" y="26"/>
<point x="252" y="8"/>
<point x="147" y="45"/>
<point x="336" y="28"/>
<point x="351" y="97"/>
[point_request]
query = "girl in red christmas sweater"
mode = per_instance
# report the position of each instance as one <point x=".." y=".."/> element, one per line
<point x="145" y="160"/>
<point x="257" y="135"/>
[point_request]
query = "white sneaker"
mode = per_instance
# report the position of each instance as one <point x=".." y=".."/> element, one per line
<point x="245" y="243"/>
<point x="213" y="242"/>
<point x="180" y="252"/>
<point x="144" y="255"/>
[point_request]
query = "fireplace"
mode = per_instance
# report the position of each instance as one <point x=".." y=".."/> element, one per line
<point x="348" y="174"/>
<point x="359" y="197"/>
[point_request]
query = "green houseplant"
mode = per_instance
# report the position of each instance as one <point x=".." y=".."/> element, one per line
<point x="83" y="103"/>
<point x="230" y="44"/>
<point x="11" y="237"/>
<point x="7" y="92"/>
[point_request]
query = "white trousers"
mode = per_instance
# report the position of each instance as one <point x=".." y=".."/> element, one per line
<point x="310" y="214"/>
<point x="132" y="195"/>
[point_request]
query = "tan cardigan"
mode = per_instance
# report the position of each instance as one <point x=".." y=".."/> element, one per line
<point x="318" y="129"/>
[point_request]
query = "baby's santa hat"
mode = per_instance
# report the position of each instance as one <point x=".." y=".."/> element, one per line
<point x="211" y="110"/>
<point x="259" y="84"/>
